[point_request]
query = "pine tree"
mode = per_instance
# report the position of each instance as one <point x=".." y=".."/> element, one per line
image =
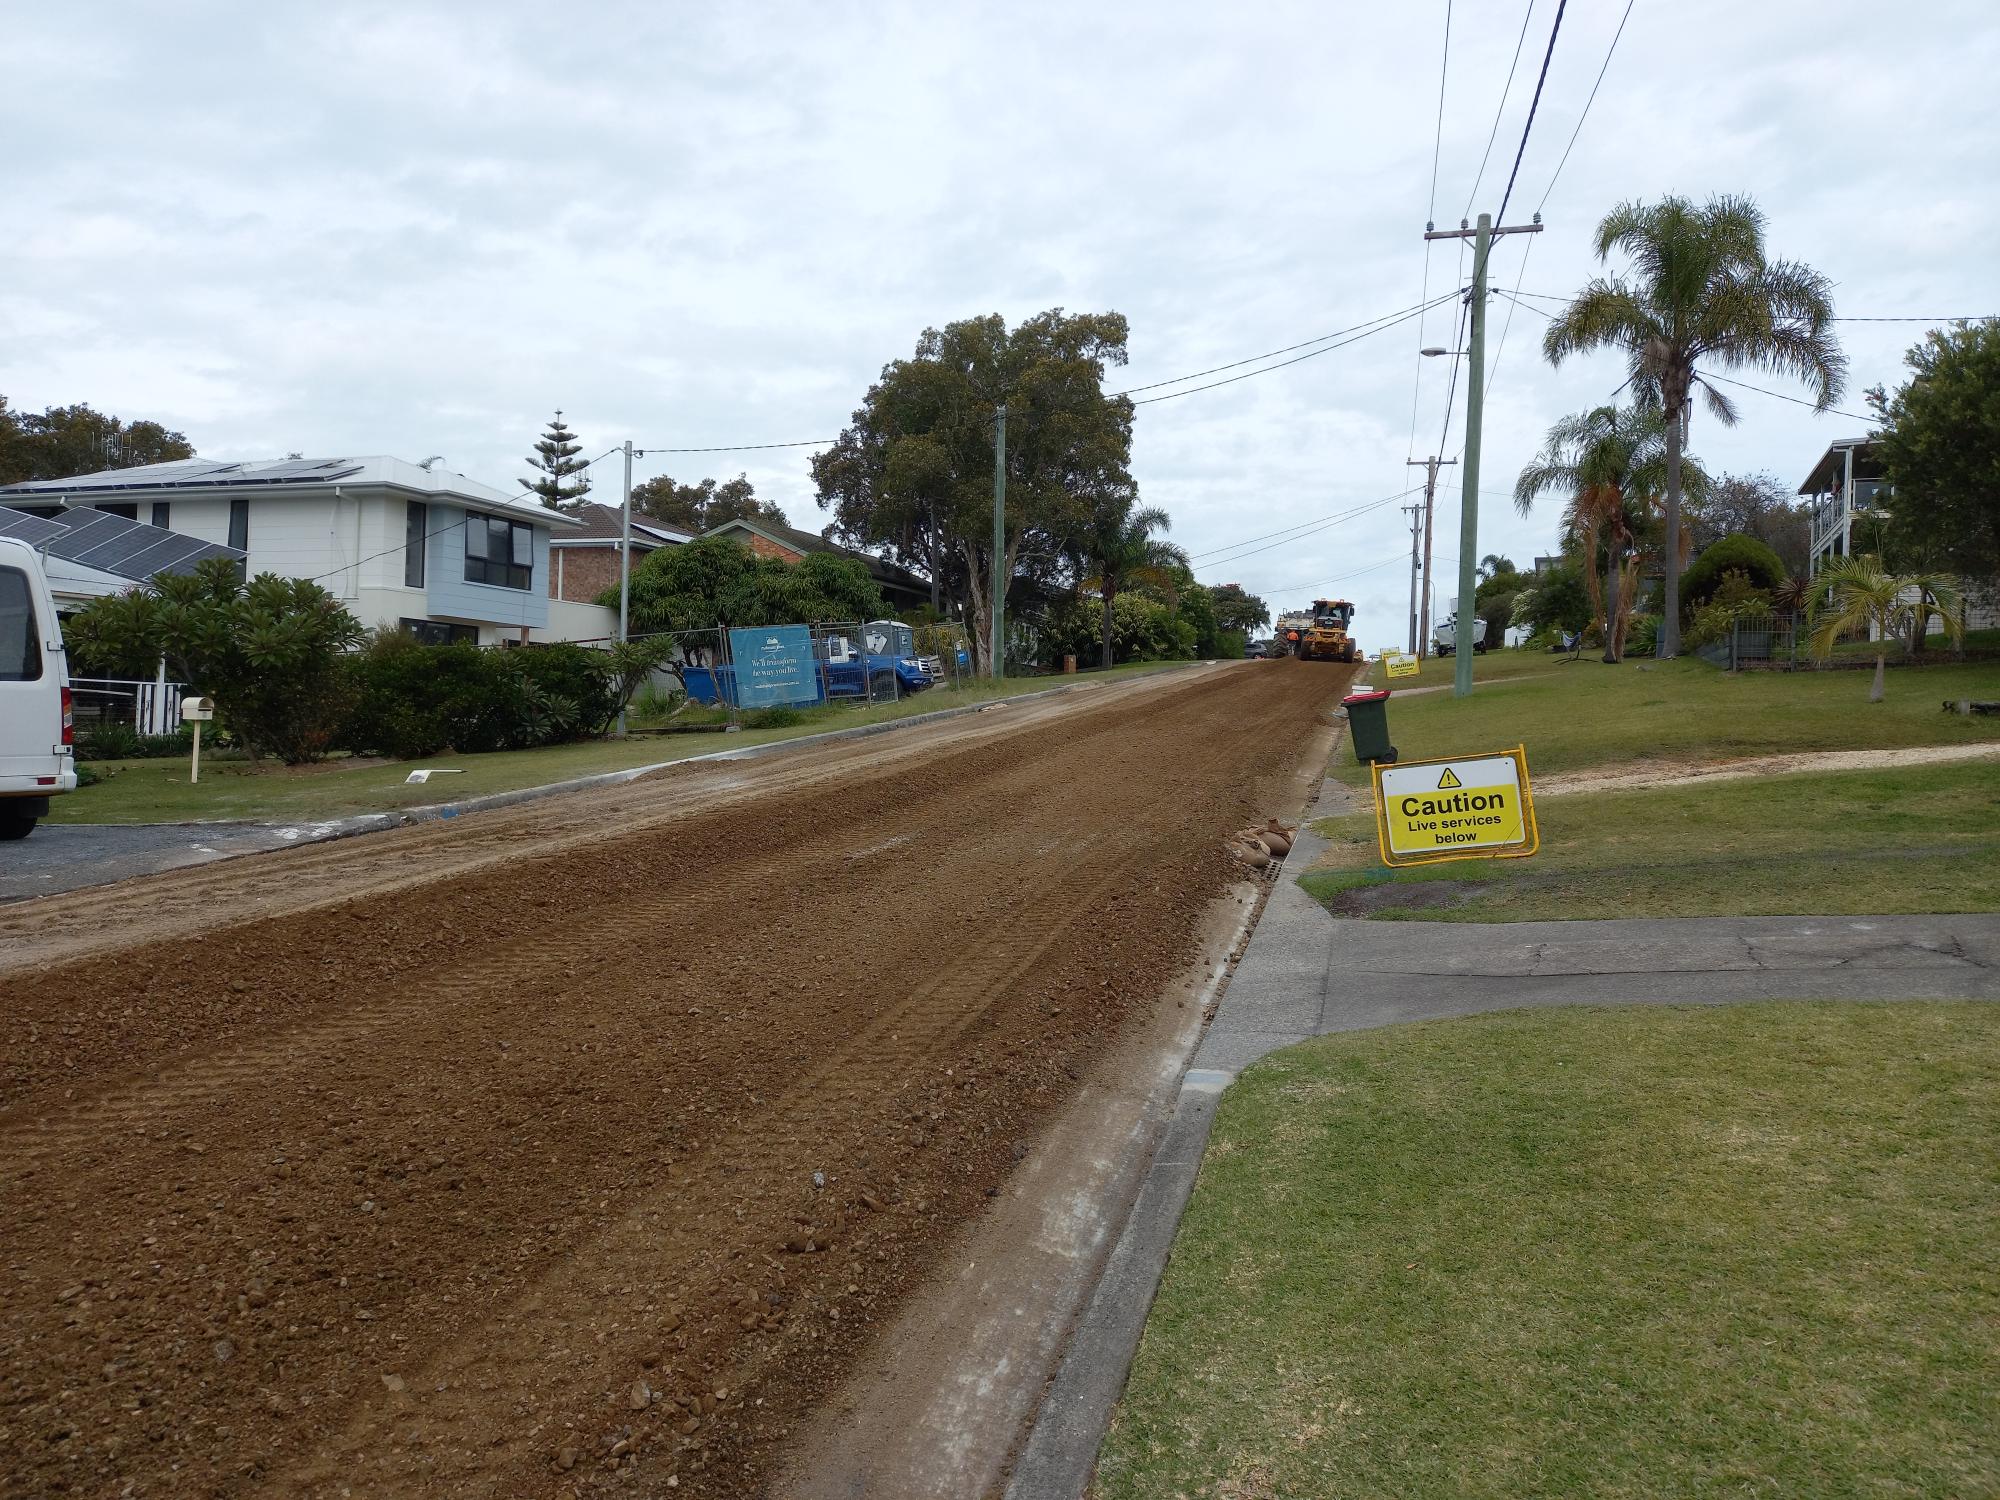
<point x="556" y="459"/>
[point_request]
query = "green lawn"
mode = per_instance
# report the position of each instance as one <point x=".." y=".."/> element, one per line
<point x="1576" y="714"/>
<point x="1904" y="839"/>
<point x="157" y="791"/>
<point x="1651" y="1252"/>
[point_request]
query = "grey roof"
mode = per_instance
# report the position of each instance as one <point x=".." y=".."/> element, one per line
<point x="1825" y="473"/>
<point x="605" y="523"/>
<point x="111" y="544"/>
<point x="286" y="473"/>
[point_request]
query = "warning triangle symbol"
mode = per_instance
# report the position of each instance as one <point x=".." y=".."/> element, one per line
<point x="1447" y="781"/>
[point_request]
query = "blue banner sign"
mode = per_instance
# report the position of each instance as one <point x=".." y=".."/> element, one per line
<point x="774" y="665"/>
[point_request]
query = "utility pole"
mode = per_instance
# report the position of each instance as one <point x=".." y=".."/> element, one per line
<point x="624" y="562"/>
<point x="1475" y="400"/>
<point x="1415" y="513"/>
<point x="1430" y="466"/>
<point x="999" y="643"/>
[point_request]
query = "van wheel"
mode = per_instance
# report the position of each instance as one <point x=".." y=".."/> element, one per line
<point x="15" y="826"/>
<point x="882" y="684"/>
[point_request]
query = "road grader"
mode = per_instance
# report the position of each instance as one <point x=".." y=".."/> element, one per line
<point x="1323" y="634"/>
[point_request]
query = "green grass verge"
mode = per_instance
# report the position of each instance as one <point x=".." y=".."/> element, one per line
<point x="1903" y="839"/>
<point x="157" y="791"/>
<point x="1649" y="1252"/>
<point x="1572" y="715"/>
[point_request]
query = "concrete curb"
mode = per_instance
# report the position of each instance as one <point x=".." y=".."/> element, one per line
<point x="1060" y="1453"/>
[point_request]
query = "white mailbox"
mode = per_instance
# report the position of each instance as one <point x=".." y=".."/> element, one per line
<point x="195" y="710"/>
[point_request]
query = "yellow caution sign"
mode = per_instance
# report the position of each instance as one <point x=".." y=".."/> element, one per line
<point x="1461" y="807"/>
<point x="1398" y="664"/>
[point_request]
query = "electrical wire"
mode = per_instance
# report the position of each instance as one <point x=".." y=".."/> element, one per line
<point x="1898" y="318"/>
<point x="1586" y="106"/>
<point x="1320" y="583"/>
<point x="1373" y="505"/>
<point x="1430" y="220"/>
<point x="1533" y="104"/>
<point x="1405" y="317"/>
<point x="1833" y="411"/>
<point x="1500" y="110"/>
<point x="1273" y="354"/>
<point x="1302" y="526"/>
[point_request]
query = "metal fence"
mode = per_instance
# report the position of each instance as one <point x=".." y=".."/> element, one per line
<point x="148" y="707"/>
<point x="1773" y="641"/>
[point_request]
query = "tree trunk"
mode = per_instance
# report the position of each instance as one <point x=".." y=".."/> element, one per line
<point x="1109" y="595"/>
<point x="1670" y="613"/>
<point x="1611" y="608"/>
<point x="1875" y="692"/>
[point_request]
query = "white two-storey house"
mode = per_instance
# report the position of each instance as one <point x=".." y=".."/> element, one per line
<point x="401" y="544"/>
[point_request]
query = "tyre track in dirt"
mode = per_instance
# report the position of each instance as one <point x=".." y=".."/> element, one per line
<point x="416" y="1220"/>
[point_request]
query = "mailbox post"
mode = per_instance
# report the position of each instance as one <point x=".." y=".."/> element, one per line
<point x="196" y="711"/>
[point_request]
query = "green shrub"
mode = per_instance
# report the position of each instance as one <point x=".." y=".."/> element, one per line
<point x="781" y="716"/>
<point x="123" y="742"/>
<point x="1642" y="635"/>
<point x="270" y="651"/>
<point x="1744" y="554"/>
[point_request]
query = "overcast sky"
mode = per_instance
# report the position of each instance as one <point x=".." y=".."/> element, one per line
<point x="347" y="229"/>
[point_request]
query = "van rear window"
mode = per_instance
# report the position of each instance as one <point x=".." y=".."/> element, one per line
<point x="20" y="636"/>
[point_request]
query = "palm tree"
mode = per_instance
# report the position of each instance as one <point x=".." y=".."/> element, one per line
<point x="1123" y="551"/>
<point x="1701" y="293"/>
<point x="1860" y="596"/>
<point x="1493" y="564"/>
<point x="1612" y="463"/>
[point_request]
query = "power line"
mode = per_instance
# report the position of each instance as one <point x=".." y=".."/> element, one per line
<point x="1500" y="110"/>
<point x="1586" y="106"/>
<point x="1274" y="353"/>
<point x="1898" y="318"/>
<point x="1519" y="151"/>
<point x="1831" y="411"/>
<point x="1302" y="526"/>
<point x="1319" y="583"/>
<point x="1225" y="562"/>
<point x="1430" y="217"/>
<point x="1381" y="327"/>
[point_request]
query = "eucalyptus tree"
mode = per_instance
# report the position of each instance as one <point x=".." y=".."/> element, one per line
<point x="913" y="471"/>
<point x="1611" y="463"/>
<point x="1699" y="293"/>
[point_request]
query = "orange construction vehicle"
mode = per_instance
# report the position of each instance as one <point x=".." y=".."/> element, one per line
<point x="1326" y="639"/>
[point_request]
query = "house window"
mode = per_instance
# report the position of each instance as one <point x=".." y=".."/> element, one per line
<point x="20" y="635"/>
<point x="499" y="552"/>
<point x="438" y="633"/>
<point x="161" y="512"/>
<point x="416" y="526"/>
<point x="125" y="509"/>
<point x="239" y="525"/>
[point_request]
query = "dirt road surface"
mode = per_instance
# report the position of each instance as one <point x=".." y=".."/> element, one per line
<point x="579" y="1146"/>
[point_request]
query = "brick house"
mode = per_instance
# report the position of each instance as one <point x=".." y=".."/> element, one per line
<point x="584" y="562"/>
<point x="900" y="587"/>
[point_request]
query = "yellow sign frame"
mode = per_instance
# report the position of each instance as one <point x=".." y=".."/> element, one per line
<point x="1400" y="664"/>
<point x="1531" y="831"/>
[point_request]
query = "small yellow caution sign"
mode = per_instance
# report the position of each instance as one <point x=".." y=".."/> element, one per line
<point x="1399" y="664"/>
<point x="1461" y="807"/>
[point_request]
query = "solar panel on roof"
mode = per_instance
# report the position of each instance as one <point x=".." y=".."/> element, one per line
<point x="22" y="527"/>
<point x="112" y="544"/>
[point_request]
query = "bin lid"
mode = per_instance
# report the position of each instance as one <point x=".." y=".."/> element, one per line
<point x="1375" y="697"/>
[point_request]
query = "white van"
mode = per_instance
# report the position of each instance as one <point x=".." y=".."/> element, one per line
<point x="37" y="760"/>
